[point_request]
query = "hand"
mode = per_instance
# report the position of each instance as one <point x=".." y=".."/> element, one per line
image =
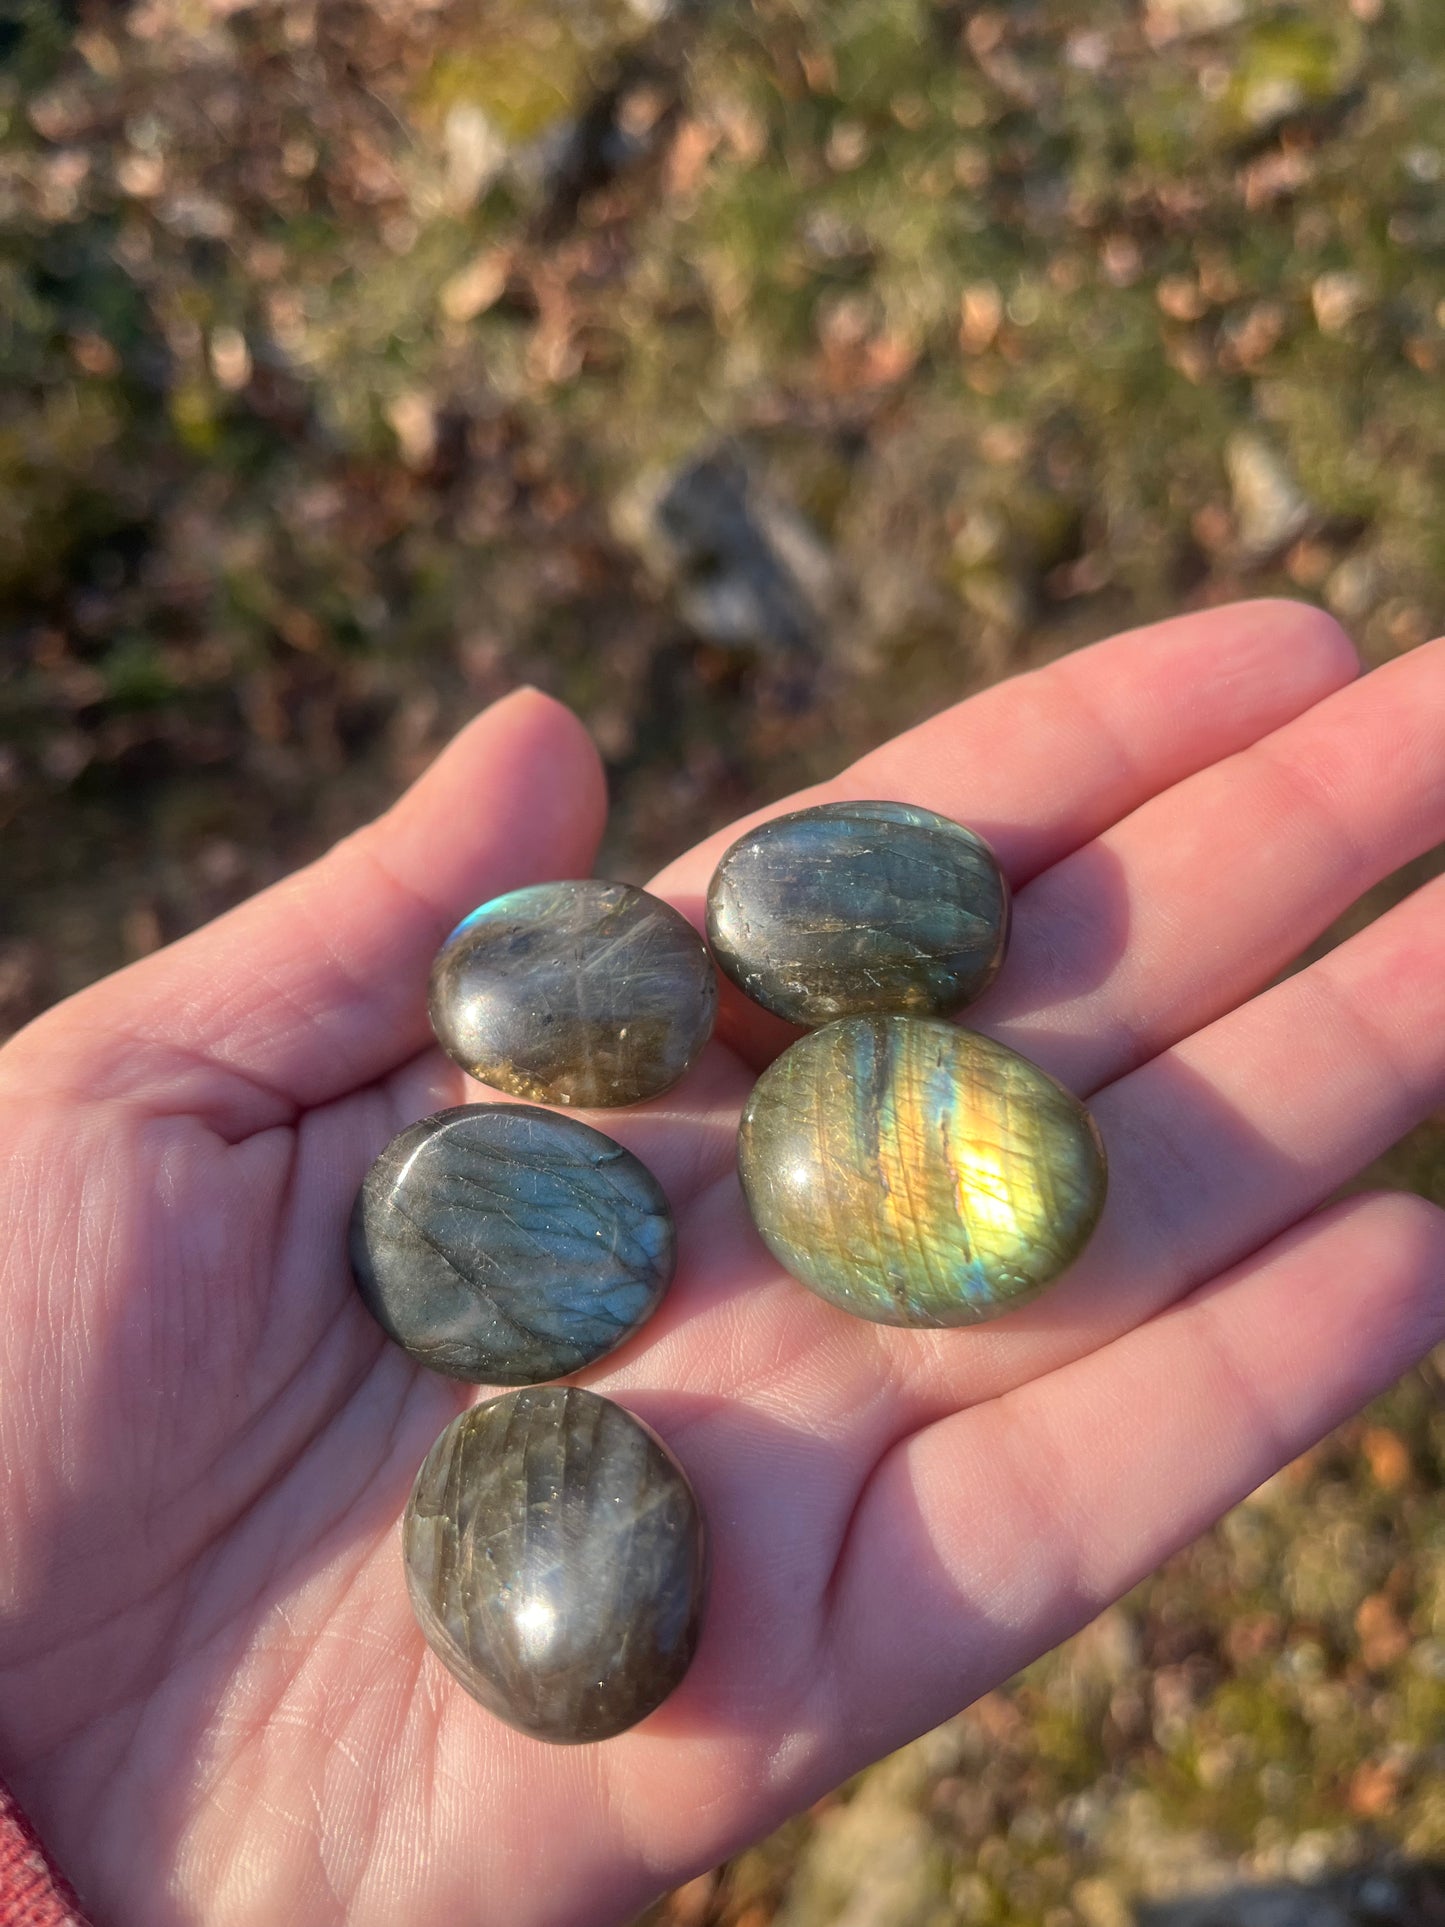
<point x="213" y="1698"/>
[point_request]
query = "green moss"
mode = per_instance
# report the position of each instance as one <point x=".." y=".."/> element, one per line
<point x="1290" y="64"/>
<point x="136" y="674"/>
<point x="525" y="78"/>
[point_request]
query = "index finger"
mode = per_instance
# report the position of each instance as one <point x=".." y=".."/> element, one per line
<point x="1043" y="763"/>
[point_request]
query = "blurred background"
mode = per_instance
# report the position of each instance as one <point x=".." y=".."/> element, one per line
<point x="758" y="378"/>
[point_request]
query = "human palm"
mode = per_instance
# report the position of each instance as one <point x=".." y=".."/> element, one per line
<point x="213" y="1697"/>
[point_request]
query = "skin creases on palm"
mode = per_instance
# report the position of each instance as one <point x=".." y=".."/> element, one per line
<point x="213" y="1699"/>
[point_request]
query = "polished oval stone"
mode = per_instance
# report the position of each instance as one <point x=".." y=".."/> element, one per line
<point x="554" y="1557"/>
<point x="852" y="907"/>
<point x="574" y="993"/>
<point x="918" y="1174"/>
<point x="504" y="1244"/>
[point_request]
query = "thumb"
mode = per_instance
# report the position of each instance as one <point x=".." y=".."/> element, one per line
<point x="318" y="985"/>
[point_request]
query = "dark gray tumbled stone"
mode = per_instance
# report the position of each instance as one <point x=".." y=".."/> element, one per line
<point x="504" y="1244"/>
<point x="555" y="1561"/>
<point x="585" y="993"/>
<point x="856" y="907"/>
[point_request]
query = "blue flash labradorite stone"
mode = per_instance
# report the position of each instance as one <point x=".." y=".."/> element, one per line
<point x="917" y="1174"/>
<point x="852" y="907"/>
<point x="584" y="993"/>
<point x="504" y="1245"/>
<point x="555" y="1561"/>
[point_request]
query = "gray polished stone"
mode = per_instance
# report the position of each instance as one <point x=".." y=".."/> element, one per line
<point x="853" y="907"/>
<point x="555" y="1561"/>
<point x="504" y="1244"/>
<point x="584" y="993"/>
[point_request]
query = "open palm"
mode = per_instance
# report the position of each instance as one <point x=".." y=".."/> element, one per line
<point x="213" y="1697"/>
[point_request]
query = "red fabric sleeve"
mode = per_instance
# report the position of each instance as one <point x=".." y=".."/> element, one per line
<point x="33" y="1890"/>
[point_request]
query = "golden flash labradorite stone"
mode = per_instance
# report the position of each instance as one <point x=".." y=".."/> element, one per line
<point x="917" y="1174"/>
<point x="853" y="907"/>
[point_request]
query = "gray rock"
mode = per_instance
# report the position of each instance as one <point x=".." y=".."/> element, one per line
<point x="1270" y="508"/>
<point x="744" y="568"/>
<point x="1283" y="1906"/>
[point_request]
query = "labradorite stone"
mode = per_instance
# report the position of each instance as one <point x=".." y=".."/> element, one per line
<point x="574" y="993"/>
<point x="504" y="1244"/>
<point x="918" y="1174"/>
<point x="852" y="907"/>
<point x="554" y="1557"/>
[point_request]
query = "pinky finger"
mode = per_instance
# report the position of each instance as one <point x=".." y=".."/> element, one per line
<point x="1020" y="1519"/>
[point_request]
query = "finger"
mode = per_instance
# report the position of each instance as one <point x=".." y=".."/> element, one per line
<point x="1188" y="905"/>
<point x="1017" y="1521"/>
<point x="1214" y="1148"/>
<point x="1221" y="1143"/>
<point x="318" y="985"/>
<point x="1043" y="763"/>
